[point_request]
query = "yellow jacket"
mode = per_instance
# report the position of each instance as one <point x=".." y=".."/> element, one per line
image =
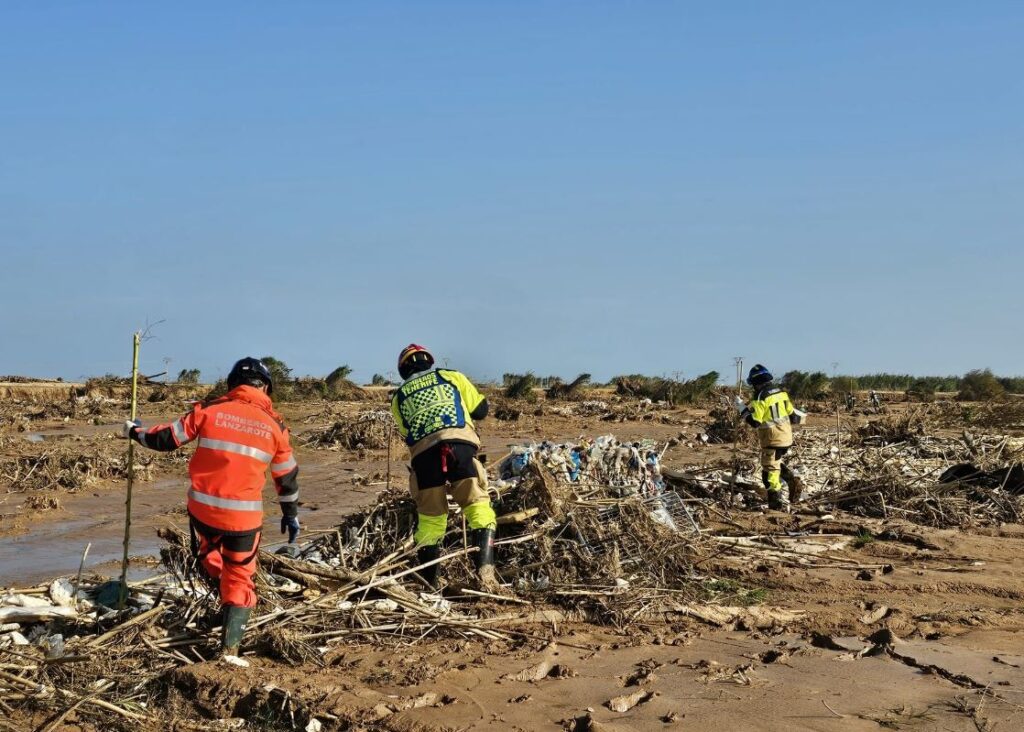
<point x="770" y="413"/>
<point x="437" y="406"/>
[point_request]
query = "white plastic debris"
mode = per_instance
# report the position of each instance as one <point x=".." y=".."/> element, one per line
<point x="36" y="614"/>
<point x="62" y="593"/>
<point x="314" y="725"/>
<point x="283" y="584"/>
<point x="17" y="639"/>
<point x="435" y="601"/>
<point x="235" y="661"/>
<point x="15" y="600"/>
<point x="383" y="605"/>
<point x="53" y="645"/>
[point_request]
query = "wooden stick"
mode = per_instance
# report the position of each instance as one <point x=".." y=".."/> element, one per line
<point x="78" y="580"/>
<point x="137" y="620"/>
<point x="123" y="589"/>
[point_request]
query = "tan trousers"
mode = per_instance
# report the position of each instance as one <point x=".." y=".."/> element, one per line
<point x="433" y="500"/>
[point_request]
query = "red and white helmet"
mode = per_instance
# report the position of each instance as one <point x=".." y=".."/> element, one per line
<point x="413" y="359"/>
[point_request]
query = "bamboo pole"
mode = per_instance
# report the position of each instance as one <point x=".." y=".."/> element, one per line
<point x="391" y="434"/>
<point x="738" y="360"/>
<point x="123" y="590"/>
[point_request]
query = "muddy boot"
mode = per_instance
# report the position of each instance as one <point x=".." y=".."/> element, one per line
<point x="483" y="539"/>
<point x="232" y="630"/>
<point x="428" y="554"/>
<point x="796" y="489"/>
<point x="775" y="500"/>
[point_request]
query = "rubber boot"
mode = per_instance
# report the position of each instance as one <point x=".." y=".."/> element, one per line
<point x="427" y="554"/>
<point x="796" y="489"/>
<point x="483" y="539"/>
<point x="775" y="500"/>
<point x="233" y="628"/>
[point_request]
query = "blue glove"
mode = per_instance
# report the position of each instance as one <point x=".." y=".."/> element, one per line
<point x="291" y="525"/>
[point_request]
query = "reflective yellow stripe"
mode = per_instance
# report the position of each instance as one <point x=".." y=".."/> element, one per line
<point x="774" y="408"/>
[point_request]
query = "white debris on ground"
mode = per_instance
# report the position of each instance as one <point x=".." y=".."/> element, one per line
<point x="632" y="467"/>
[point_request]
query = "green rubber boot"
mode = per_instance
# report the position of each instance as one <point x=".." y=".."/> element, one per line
<point x="233" y="628"/>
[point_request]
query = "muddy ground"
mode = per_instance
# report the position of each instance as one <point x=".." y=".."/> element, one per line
<point x="931" y="638"/>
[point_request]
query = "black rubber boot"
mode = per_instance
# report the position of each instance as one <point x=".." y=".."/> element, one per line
<point x="428" y="554"/>
<point x="233" y="628"/>
<point x="775" y="500"/>
<point x="483" y="539"/>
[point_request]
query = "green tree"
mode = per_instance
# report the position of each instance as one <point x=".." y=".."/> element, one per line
<point x="924" y="388"/>
<point x="521" y="386"/>
<point x="337" y="376"/>
<point x="804" y="385"/>
<point x="844" y="385"/>
<point x="188" y="376"/>
<point x="278" y="369"/>
<point x="980" y="385"/>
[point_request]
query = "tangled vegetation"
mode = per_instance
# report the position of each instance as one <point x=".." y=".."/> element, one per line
<point x="673" y="391"/>
<point x="560" y="390"/>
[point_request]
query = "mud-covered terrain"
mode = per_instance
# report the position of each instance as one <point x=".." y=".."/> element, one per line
<point x="823" y="618"/>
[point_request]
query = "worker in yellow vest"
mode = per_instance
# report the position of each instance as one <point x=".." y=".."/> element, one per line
<point x="435" y="411"/>
<point x="772" y="414"/>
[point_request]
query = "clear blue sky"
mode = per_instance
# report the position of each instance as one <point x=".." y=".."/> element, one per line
<point x="557" y="186"/>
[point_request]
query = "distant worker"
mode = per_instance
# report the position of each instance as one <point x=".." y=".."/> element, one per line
<point x="851" y="401"/>
<point x="435" y="410"/>
<point x="240" y="436"/>
<point x="875" y="401"/>
<point x="772" y="414"/>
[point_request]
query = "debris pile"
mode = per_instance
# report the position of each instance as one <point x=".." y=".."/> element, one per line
<point x="644" y="410"/>
<point x="896" y="469"/>
<point x="577" y="527"/>
<point x="369" y="430"/>
<point x="586" y="408"/>
<point x="586" y="531"/>
<point x="1002" y="415"/>
<point x="724" y="426"/>
<point x="73" y="463"/>
<point x="904" y="427"/>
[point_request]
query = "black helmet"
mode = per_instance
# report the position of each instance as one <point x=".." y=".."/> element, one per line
<point x="251" y="371"/>
<point x="759" y="376"/>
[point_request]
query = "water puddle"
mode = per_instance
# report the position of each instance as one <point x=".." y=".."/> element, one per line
<point x="56" y="550"/>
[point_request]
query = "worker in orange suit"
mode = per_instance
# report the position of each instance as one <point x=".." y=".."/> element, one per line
<point x="239" y="436"/>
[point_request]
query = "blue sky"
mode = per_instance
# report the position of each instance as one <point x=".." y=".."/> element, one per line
<point x="575" y="186"/>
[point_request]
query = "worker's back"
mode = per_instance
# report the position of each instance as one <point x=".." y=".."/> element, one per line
<point x="239" y="436"/>
<point x="772" y="408"/>
<point x="436" y="406"/>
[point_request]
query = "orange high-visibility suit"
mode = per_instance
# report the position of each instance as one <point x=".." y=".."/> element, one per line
<point x="239" y="436"/>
